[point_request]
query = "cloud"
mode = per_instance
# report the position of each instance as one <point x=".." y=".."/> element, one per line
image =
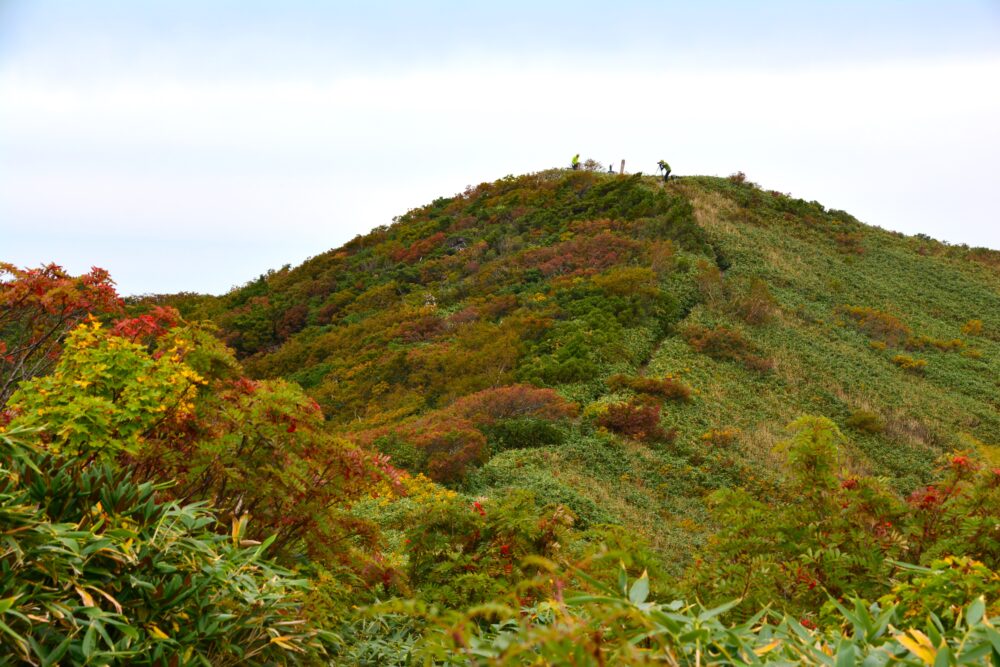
<point x="905" y="144"/>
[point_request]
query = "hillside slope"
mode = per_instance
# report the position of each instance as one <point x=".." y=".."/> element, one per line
<point x="688" y="322"/>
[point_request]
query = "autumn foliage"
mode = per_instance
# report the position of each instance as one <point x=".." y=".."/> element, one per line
<point x="878" y="324"/>
<point x="38" y="307"/>
<point x="728" y="345"/>
<point x="635" y="419"/>
<point x="666" y="387"/>
<point x="448" y="443"/>
<point x="175" y="407"/>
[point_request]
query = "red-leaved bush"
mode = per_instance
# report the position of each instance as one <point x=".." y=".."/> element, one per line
<point x="38" y="307"/>
<point x="638" y="420"/>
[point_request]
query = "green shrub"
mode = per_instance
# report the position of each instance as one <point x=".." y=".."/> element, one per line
<point x="944" y="589"/>
<point x="756" y="305"/>
<point x="522" y="433"/>
<point x="865" y="421"/>
<point x="402" y="452"/>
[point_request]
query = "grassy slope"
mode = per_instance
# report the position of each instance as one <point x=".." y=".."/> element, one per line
<point x="812" y="260"/>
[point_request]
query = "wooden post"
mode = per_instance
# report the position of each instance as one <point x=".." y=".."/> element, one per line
<point x="622" y="171"/>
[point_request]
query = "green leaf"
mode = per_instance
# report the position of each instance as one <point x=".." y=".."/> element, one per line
<point x="943" y="658"/>
<point x="89" y="641"/>
<point x="640" y="589"/>
<point x="715" y="611"/>
<point x="7" y="603"/>
<point x="994" y="638"/>
<point x="975" y="611"/>
<point x="847" y="655"/>
<point x="7" y="629"/>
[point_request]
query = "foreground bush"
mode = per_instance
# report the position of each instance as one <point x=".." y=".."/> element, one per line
<point x="169" y="404"/>
<point x="599" y="624"/>
<point x="95" y="569"/>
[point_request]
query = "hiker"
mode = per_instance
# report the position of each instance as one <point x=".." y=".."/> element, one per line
<point x="611" y="169"/>
<point x="575" y="162"/>
<point x="665" y="168"/>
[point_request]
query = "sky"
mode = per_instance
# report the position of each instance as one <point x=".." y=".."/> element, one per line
<point x="192" y="145"/>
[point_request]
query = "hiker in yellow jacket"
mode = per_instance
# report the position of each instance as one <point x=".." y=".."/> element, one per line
<point x="575" y="162"/>
<point x="665" y="168"/>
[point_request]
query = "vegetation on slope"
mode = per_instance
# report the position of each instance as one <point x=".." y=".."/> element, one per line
<point x="507" y="393"/>
<point x="753" y="306"/>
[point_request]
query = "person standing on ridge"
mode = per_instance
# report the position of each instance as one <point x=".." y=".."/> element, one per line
<point x="665" y="168"/>
<point x="575" y="162"/>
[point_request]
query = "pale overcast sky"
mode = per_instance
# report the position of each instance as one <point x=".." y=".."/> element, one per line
<point x="192" y="145"/>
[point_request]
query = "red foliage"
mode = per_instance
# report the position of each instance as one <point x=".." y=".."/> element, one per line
<point x="416" y="251"/>
<point x="245" y="385"/>
<point x="589" y="253"/>
<point x="468" y="314"/>
<point x="961" y="462"/>
<point x="639" y="420"/>
<point x="878" y="324"/>
<point x="37" y="308"/>
<point x="421" y="329"/>
<point x="147" y="328"/>
<point x="452" y="448"/>
<point x="450" y="445"/>
<point x="292" y="320"/>
<point x="926" y="498"/>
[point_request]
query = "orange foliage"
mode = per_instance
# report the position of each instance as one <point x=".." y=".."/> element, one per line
<point x="447" y="443"/>
<point x="416" y="251"/>
<point x="877" y="324"/>
<point x="519" y="400"/>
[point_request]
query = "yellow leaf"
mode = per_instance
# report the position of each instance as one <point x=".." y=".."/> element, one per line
<point x="88" y="600"/>
<point x="156" y="632"/>
<point x="761" y="650"/>
<point x="282" y="641"/>
<point x="919" y="644"/>
<point x="237" y="525"/>
<point x="110" y="599"/>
